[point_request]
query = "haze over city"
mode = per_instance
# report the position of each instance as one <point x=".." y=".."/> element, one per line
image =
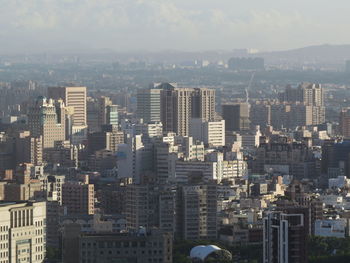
<point x="174" y="131"/>
<point x="155" y="25"/>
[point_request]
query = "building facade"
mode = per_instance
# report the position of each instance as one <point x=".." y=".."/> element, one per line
<point x="23" y="232"/>
<point x="46" y="118"/>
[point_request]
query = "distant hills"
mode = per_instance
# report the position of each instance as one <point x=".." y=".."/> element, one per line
<point x="324" y="55"/>
<point x="321" y="54"/>
<point x="328" y="54"/>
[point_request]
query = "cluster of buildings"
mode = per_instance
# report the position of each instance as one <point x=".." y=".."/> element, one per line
<point x="301" y="106"/>
<point x="99" y="181"/>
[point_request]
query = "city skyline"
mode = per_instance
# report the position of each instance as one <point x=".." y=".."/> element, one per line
<point x="174" y="131"/>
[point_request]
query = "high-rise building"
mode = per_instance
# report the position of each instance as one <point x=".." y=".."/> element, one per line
<point x="23" y="232"/>
<point x="294" y="155"/>
<point x="309" y="94"/>
<point x="92" y="115"/>
<point x="134" y="158"/>
<point x="149" y="130"/>
<point x="280" y="115"/>
<point x="203" y="104"/>
<point x="46" y="118"/>
<point x="72" y="97"/>
<point x="312" y="94"/>
<point x="101" y="111"/>
<point x="63" y="154"/>
<point x="197" y="212"/>
<point x="28" y="149"/>
<point x="103" y="102"/>
<point x="112" y="115"/>
<point x="176" y="109"/>
<point x="75" y="98"/>
<point x="150" y="205"/>
<point x="344" y="123"/>
<point x="174" y="106"/>
<point x="302" y="115"/>
<point x="78" y="197"/>
<point x="105" y="140"/>
<point x="140" y="206"/>
<point x="260" y="114"/>
<point x="148" y="104"/>
<point x="236" y="116"/>
<point x="211" y="133"/>
<point x="335" y="158"/>
<point x="285" y="237"/>
<point x="165" y="154"/>
<point x="54" y="187"/>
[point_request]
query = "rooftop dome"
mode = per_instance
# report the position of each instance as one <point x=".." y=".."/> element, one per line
<point x="202" y="252"/>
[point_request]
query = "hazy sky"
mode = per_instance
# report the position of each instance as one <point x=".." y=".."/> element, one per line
<point x="127" y="25"/>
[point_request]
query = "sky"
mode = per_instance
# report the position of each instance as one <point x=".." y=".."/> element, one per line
<point x="158" y="25"/>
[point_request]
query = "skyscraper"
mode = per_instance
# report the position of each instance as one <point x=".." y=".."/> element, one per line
<point x="75" y="98"/>
<point x="148" y="104"/>
<point x="46" y="118"/>
<point x="284" y="237"/>
<point x="196" y="212"/>
<point x="344" y="123"/>
<point x="260" y="113"/>
<point x="203" y="104"/>
<point x="79" y="197"/>
<point x="310" y="95"/>
<point x="112" y="115"/>
<point x="236" y="116"/>
<point x="28" y="149"/>
<point x="212" y="133"/>
<point x="179" y="105"/>
<point x="72" y="97"/>
<point x="174" y="106"/>
<point x="176" y="109"/>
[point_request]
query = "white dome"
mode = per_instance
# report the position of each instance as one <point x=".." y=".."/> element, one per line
<point x="202" y="252"/>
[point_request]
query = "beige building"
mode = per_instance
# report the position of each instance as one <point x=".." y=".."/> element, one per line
<point x="73" y="97"/>
<point x="211" y="133"/>
<point x="311" y="95"/>
<point x="23" y="232"/>
<point x="46" y="118"/>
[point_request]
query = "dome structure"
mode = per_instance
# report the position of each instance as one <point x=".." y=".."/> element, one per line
<point x="202" y="253"/>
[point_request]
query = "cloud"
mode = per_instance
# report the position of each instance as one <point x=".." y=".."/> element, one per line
<point x="169" y="24"/>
